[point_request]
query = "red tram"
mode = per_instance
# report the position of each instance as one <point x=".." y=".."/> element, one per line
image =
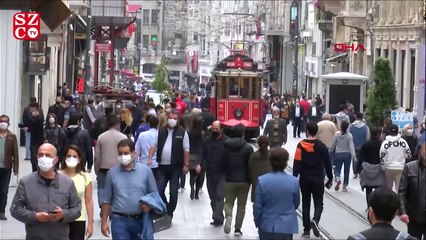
<point x="236" y="95"/>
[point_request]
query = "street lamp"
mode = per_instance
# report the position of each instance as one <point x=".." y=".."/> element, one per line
<point x="294" y="32"/>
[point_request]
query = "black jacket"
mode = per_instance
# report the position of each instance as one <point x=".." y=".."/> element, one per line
<point x="293" y="113"/>
<point x="369" y="152"/>
<point x="79" y="137"/>
<point x="380" y="231"/>
<point x="412" y="192"/>
<point x="59" y="112"/>
<point x="36" y="128"/>
<point x="236" y="157"/>
<point x="208" y="119"/>
<point x="53" y="135"/>
<point x="310" y="160"/>
<point x="412" y="143"/>
<point x="211" y="157"/>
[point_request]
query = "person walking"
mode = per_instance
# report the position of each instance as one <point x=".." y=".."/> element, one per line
<point x="344" y="150"/>
<point x="211" y="159"/>
<point x="26" y="122"/>
<point x="126" y="122"/>
<point x="146" y="145"/>
<point x="277" y="198"/>
<point x="314" y="113"/>
<point x="127" y="219"/>
<point x="193" y="126"/>
<point x="361" y="134"/>
<point x="106" y="153"/>
<point x="369" y="168"/>
<point x="384" y="206"/>
<point x="46" y="215"/>
<point x="394" y="152"/>
<point x="259" y="164"/>
<point x="411" y="138"/>
<point x="59" y="110"/>
<point x="73" y="167"/>
<point x="412" y="195"/>
<point x="75" y="135"/>
<point x="276" y="129"/>
<point x="342" y="116"/>
<point x="36" y="128"/>
<point x="52" y="133"/>
<point x="9" y="161"/>
<point x="310" y="160"/>
<point x="237" y="154"/>
<point x="173" y="154"/>
<point x="297" y="115"/>
<point x="88" y="117"/>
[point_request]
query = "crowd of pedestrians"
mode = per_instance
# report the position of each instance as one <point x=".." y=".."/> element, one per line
<point x="139" y="149"/>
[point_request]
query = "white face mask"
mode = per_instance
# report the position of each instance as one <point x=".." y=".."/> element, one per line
<point x="71" y="162"/>
<point x="51" y="120"/>
<point x="125" y="159"/>
<point x="45" y="163"/>
<point x="3" y="126"/>
<point x="410" y="132"/>
<point x="172" y="122"/>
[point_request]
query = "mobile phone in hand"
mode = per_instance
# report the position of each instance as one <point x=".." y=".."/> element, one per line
<point x="52" y="212"/>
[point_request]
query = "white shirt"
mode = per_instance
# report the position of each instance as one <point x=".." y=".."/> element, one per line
<point x="297" y="113"/>
<point x="314" y="111"/>
<point x="166" y="154"/>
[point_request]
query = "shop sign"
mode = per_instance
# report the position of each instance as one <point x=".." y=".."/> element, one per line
<point x="37" y="56"/>
<point x="26" y="26"/>
<point x="343" y="47"/>
<point x="103" y="47"/>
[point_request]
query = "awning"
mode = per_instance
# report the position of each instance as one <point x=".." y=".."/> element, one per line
<point x="336" y="57"/>
<point x="344" y="75"/>
<point x="191" y="75"/>
<point x="44" y="7"/>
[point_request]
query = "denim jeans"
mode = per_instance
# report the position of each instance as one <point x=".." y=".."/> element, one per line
<point x="27" y="145"/>
<point x="342" y="159"/>
<point x="169" y="174"/>
<point x="4" y="187"/>
<point x="125" y="228"/>
<point x="100" y="178"/>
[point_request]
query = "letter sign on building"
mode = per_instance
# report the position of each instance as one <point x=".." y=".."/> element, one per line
<point x="26" y="26"/>
<point x="342" y="47"/>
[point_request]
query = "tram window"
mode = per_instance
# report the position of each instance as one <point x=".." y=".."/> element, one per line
<point x="244" y="88"/>
<point x="233" y="87"/>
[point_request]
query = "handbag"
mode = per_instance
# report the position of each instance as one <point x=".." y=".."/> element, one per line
<point x="372" y="175"/>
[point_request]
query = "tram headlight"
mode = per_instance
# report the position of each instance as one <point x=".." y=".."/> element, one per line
<point x="238" y="113"/>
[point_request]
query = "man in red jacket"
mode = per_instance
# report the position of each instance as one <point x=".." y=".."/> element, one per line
<point x="305" y="105"/>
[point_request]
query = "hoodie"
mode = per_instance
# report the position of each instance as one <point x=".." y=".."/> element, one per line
<point x="236" y="158"/>
<point x="75" y="135"/>
<point x="360" y="133"/>
<point x="393" y="152"/>
<point x="310" y="159"/>
<point x="340" y="117"/>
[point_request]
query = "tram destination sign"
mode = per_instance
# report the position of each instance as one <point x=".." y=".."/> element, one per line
<point x="234" y="64"/>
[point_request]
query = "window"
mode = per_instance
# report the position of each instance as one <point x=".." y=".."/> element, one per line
<point x="227" y="29"/>
<point x="145" y="41"/>
<point x="314" y="49"/>
<point x="145" y="16"/>
<point x="154" y="16"/>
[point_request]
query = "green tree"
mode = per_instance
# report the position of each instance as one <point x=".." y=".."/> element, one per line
<point x="381" y="97"/>
<point x="160" y="82"/>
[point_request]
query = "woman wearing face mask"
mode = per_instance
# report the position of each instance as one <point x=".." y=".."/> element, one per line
<point x="52" y="133"/>
<point x="73" y="167"/>
<point x="412" y="140"/>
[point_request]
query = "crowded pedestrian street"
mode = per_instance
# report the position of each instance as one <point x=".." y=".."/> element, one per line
<point x="344" y="213"/>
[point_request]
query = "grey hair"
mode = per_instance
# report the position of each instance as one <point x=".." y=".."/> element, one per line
<point x="275" y="109"/>
<point x="326" y="116"/>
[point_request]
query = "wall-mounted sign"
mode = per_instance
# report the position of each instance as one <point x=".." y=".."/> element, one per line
<point x="342" y="47"/>
<point x="103" y="47"/>
<point x="37" y="56"/>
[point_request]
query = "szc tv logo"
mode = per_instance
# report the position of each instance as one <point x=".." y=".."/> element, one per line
<point x="26" y="26"/>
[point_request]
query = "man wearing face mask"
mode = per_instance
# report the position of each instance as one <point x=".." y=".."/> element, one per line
<point x="411" y="138"/>
<point x="211" y="160"/>
<point x="127" y="221"/>
<point x="173" y="159"/>
<point x="46" y="201"/>
<point x="9" y="159"/>
<point x="59" y="110"/>
<point x="164" y="115"/>
<point x="384" y="204"/>
<point x="276" y="129"/>
<point x="412" y="195"/>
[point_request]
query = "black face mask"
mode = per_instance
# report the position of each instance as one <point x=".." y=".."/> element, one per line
<point x="57" y="103"/>
<point x="215" y="135"/>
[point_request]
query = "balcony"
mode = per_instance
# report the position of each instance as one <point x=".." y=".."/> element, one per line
<point x="334" y="6"/>
<point x="78" y="4"/>
<point x="108" y="8"/>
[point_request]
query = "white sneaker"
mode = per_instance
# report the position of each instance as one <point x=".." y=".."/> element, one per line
<point x="227" y="226"/>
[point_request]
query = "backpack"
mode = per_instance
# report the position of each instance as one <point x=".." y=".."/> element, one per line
<point x="72" y="140"/>
<point x="401" y="236"/>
